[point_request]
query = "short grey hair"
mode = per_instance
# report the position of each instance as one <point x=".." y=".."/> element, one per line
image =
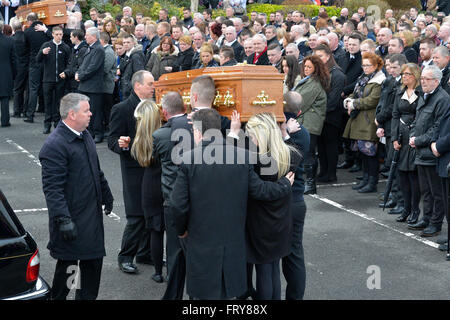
<point x="437" y="73"/>
<point x="71" y="101"/>
<point x="442" y="51"/>
<point x="16" y="25"/>
<point x="138" y="76"/>
<point x="93" y="31"/>
<point x="173" y="103"/>
<point x="293" y="46"/>
<point x="260" y="36"/>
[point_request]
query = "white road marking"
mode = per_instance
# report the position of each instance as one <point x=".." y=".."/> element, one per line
<point x="23" y="150"/>
<point x="365" y="216"/>
<point x="112" y="215"/>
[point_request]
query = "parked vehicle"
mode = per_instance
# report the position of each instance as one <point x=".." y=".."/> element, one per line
<point x="19" y="259"/>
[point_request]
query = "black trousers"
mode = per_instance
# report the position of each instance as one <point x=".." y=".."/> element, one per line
<point x="89" y="274"/>
<point x="445" y="184"/>
<point x="21" y="91"/>
<point x="293" y="265"/>
<point x="34" y="84"/>
<point x="108" y="102"/>
<point x="135" y="240"/>
<point x="4" y="105"/>
<point x="268" y="282"/>
<point x="96" y="104"/>
<point x="176" y="261"/>
<point x="53" y="92"/>
<point x="431" y="189"/>
<point x="370" y="165"/>
<point x="327" y="146"/>
<point x="409" y="185"/>
<point x="311" y="156"/>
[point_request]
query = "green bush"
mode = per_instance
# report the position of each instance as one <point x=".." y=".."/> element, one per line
<point x="309" y="10"/>
<point x="353" y="5"/>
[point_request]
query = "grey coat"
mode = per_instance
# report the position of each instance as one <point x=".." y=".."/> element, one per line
<point x="109" y="73"/>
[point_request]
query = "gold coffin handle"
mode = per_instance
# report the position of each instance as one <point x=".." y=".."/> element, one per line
<point x="263" y="100"/>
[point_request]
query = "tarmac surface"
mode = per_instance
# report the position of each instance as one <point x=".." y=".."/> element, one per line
<point x="353" y="250"/>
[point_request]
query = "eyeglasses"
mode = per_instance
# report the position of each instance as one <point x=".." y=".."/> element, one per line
<point x="367" y="65"/>
<point x="406" y="74"/>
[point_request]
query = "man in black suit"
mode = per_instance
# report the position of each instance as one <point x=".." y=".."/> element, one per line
<point x="441" y="59"/>
<point x="259" y="57"/>
<point x="90" y="77"/>
<point x="215" y="229"/>
<point x="383" y="38"/>
<point x="21" y="79"/>
<point x="34" y="40"/>
<point x="8" y="68"/>
<point x="135" y="240"/>
<point x="271" y="35"/>
<point x="76" y="59"/>
<point x="352" y="69"/>
<point x="75" y="189"/>
<point x="54" y="56"/>
<point x="231" y="41"/>
<point x="163" y="144"/>
<point x="226" y="57"/>
<point x="274" y="54"/>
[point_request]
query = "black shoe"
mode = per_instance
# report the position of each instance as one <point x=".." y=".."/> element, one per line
<point x="344" y="165"/>
<point x="419" y="225"/>
<point x="310" y="186"/>
<point x="128" y="267"/>
<point x="389" y="204"/>
<point x="397" y="210"/>
<point x="143" y="260"/>
<point x="158" y="278"/>
<point x="359" y="177"/>
<point x="442" y="241"/>
<point x="355" y="168"/>
<point x="403" y="217"/>
<point x="29" y="120"/>
<point x="370" y="187"/>
<point x="381" y="196"/>
<point x="251" y="293"/>
<point x="46" y="130"/>
<point x="98" y="139"/>
<point x="16" y="115"/>
<point x="6" y="125"/>
<point x="431" y="231"/>
<point x="414" y="217"/>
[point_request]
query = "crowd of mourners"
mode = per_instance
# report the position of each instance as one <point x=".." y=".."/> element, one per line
<point x="371" y="90"/>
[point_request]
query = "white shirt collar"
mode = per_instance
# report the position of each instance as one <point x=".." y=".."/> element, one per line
<point x="58" y="44"/>
<point x="410" y="99"/>
<point x="230" y="43"/>
<point x="74" y="131"/>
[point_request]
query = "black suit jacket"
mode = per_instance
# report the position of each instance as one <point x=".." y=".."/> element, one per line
<point x="123" y="123"/>
<point x="262" y="61"/>
<point x="352" y="69"/>
<point x="239" y="52"/>
<point x="91" y="71"/>
<point x="7" y="66"/>
<point x="34" y="40"/>
<point x="215" y="222"/>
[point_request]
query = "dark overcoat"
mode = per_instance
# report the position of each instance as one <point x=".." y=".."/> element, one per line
<point x="91" y="69"/>
<point x="7" y="66"/>
<point x="352" y="69"/>
<point x="75" y="187"/>
<point x="210" y="202"/>
<point x="123" y="123"/>
<point x="442" y="138"/>
<point x="405" y="111"/>
<point x="429" y="112"/>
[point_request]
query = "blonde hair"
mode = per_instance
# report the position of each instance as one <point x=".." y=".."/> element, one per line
<point x="264" y="127"/>
<point x="147" y="121"/>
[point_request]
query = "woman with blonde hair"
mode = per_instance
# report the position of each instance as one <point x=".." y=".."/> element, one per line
<point x="403" y="115"/>
<point x="148" y="120"/>
<point x="269" y="224"/>
<point x="206" y="57"/>
<point x="408" y="42"/>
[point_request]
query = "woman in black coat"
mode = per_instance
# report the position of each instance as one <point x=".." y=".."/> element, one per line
<point x="147" y="121"/>
<point x="328" y="141"/>
<point x="184" y="60"/>
<point x="269" y="223"/>
<point x="206" y="57"/>
<point x="403" y="115"/>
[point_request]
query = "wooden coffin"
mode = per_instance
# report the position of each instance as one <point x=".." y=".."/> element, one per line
<point x="50" y="12"/>
<point x="249" y="89"/>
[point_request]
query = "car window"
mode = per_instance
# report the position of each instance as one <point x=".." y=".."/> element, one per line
<point x="8" y="228"/>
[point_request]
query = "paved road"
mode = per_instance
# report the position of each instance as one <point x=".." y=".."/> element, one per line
<point x="348" y="241"/>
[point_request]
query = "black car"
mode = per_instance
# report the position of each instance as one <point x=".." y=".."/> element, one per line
<point x="19" y="259"/>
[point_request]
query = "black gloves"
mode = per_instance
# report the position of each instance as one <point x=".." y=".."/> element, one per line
<point x="67" y="229"/>
<point x="108" y="208"/>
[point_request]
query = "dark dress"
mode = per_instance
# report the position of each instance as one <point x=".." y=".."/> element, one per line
<point x="406" y="112"/>
<point x="152" y="199"/>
